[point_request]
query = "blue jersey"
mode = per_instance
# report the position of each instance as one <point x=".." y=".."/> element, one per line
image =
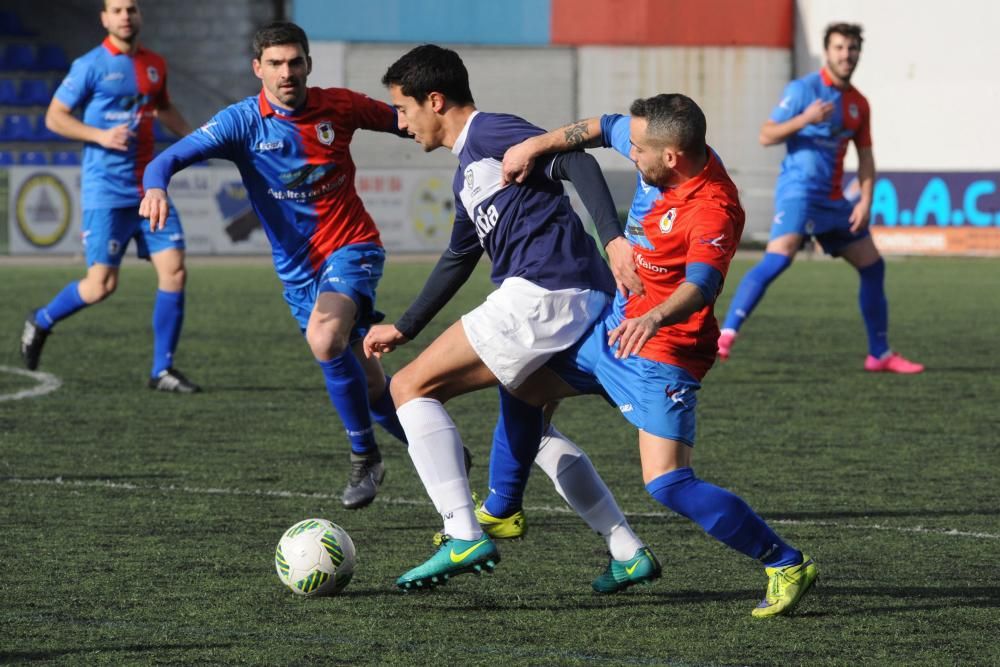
<point x="814" y="165"/>
<point x="529" y="230"/>
<point x="113" y="88"/>
<point x="297" y="169"/>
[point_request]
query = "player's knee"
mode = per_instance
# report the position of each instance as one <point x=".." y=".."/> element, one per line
<point x="174" y="281"/>
<point x="405" y="387"/>
<point x="324" y="343"/>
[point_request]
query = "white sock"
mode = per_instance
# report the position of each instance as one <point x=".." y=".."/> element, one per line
<point x="437" y="454"/>
<point x="577" y="481"/>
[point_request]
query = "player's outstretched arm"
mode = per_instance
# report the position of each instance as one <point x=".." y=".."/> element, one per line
<point x="156" y="207"/>
<point x="520" y="158"/>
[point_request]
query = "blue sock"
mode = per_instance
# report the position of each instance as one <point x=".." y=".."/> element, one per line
<point x="724" y="515"/>
<point x="515" y="445"/>
<point x="168" y="317"/>
<point x="348" y="389"/>
<point x="874" y="307"/>
<point x="751" y="289"/>
<point x="67" y="302"/>
<point x="384" y="413"/>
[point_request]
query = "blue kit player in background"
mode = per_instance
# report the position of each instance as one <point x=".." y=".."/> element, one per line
<point x="291" y="144"/>
<point x="122" y="89"/>
<point x="649" y="351"/>
<point x="551" y="281"/>
<point x="817" y="117"/>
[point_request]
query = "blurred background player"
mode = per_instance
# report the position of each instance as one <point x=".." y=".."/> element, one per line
<point x="648" y="352"/>
<point x="122" y="88"/>
<point x="552" y="284"/>
<point x="816" y="118"/>
<point x="291" y="144"/>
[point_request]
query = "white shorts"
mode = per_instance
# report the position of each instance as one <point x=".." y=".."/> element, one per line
<point x="521" y="325"/>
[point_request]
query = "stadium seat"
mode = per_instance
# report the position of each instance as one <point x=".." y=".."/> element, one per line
<point x="35" y="92"/>
<point x="18" y="57"/>
<point x="17" y="127"/>
<point x="43" y="133"/>
<point x="6" y="158"/>
<point x="8" y="93"/>
<point x="11" y="26"/>
<point x="66" y="158"/>
<point x="51" y="58"/>
<point x="33" y="158"/>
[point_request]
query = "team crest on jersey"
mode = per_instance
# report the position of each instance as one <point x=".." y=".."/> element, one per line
<point x="324" y="132"/>
<point x="153" y="74"/>
<point x="667" y="221"/>
<point x="470" y="178"/>
<point x="852" y="109"/>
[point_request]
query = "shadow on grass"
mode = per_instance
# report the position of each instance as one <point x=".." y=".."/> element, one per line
<point x="26" y="656"/>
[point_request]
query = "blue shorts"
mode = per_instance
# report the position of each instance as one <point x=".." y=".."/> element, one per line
<point x="107" y="232"/>
<point x="656" y="397"/>
<point x="827" y="220"/>
<point x="353" y="270"/>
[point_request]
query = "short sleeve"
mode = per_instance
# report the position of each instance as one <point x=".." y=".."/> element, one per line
<point x="793" y="102"/>
<point x="77" y="87"/>
<point x="615" y="133"/>
<point x="372" y="114"/>
<point x="713" y="240"/>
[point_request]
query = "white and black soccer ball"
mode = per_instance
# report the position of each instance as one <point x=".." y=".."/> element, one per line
<point x="315" y="557"/>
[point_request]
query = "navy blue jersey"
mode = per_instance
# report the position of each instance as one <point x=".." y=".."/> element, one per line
<point x="529" y="230"/>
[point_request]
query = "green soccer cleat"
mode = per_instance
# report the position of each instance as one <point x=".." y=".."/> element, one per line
<point x="453" y="557"/>
<point x="505" y="528"/>
<point x="641" y="568"/>
<point x="785" y="587"/>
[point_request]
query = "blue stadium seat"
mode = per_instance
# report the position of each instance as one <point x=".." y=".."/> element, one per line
<point x="11" y="26"/>
<point x="66" y="158"/>
<point x="52" y="58"/>
<point x="17" y="127"/>
<point x="8" y="93"/>
<point x="18" y="57"/>
<point x="6" y="158"/>
<point x="33" y="158"/>
<point x="35" y="92"/>
<point x="43" y="133"/>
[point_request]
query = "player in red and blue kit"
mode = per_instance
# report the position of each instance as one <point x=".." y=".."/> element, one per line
<point x="650" y="350"/>
<point x="292" y="147"/>
<point x="817" y="117"/>
<point x="122" y="88"/>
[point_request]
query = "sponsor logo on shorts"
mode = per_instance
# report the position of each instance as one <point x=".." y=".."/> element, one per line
<point x="678" y="395"/>
<point x="114" y="248"/>
<point x="625" y="407"/>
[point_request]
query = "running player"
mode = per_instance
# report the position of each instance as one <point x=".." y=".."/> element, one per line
<point x="122" y="89"/>
<point x="291" y="144"/>
<point x="649" y="352"/>
<point x="817" y="117"/>
<point x="552" y="285"/>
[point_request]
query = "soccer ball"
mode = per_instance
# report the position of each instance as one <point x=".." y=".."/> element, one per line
<point x="315" y="557"/>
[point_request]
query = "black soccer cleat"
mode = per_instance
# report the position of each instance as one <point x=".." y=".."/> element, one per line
<point x="367" y="473"/>
<point x="32" y="340"/>
<point x="172" y="380"/>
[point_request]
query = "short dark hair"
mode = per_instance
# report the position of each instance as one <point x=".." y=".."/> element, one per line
<point x="430" y="69"/>
<point x="845" y="29"/>
<point x="279" y="33"/>
<point x="673" y="119"/>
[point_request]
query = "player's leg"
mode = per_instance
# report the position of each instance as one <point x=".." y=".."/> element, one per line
<point x="168" y="320"/>
<point x="106" y="236"/>
<point x="864" y="256"/>
<point x="383" y="410"/>
<point x="788" y="231"/>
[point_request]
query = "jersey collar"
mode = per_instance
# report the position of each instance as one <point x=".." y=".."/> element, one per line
<point x="824" y="75"/>
<point x="115" y="51"/>
<point x="464" y="134"/>
<point x="686" y="189"/>
<point x="267" y="109"/>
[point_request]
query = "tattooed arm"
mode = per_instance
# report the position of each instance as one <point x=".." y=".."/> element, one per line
<point x="519" y="159"/>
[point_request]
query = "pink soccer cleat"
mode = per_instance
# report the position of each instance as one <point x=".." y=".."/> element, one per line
<point x="892" y="363"/>
<point x="726" y="339"/>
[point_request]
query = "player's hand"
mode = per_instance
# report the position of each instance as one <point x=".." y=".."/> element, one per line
<point x="860" y="217"/>
<point x="632" y="334"/>
<point x="383" y="339"/>
<point x="622" y="263"/>
<point x="817" y="112"/>
<point x="517" y="163"/>
<point x="156" y="207"/>
<point x="116" y="138"/>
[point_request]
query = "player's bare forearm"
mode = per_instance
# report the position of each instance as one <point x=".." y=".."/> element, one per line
<point x="172" y="119"/>
<point x="519" y="159"/>
<point x="60" y="119"/>
<point x="634" y="332"/>
<point x="772" y="133"/>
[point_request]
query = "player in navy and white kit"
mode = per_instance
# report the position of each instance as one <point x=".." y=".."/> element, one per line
<point x="292" y="147"/>
<point x="552" y="285"/>
<point x="122" y="89"/>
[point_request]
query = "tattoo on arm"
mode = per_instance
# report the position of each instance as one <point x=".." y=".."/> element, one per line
<point x="576" y="136"/>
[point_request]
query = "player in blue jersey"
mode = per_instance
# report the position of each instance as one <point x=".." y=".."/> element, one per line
<point x="649" y="352"/>
<point x="291" y="144"/>
<point x="817" y="117"/>
<point x="122" y="89"/>
<point x="552" y="285"/>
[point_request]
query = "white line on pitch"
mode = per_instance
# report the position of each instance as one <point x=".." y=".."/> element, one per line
<point x="392" y="500"/>
<point x="47" y="383"/>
